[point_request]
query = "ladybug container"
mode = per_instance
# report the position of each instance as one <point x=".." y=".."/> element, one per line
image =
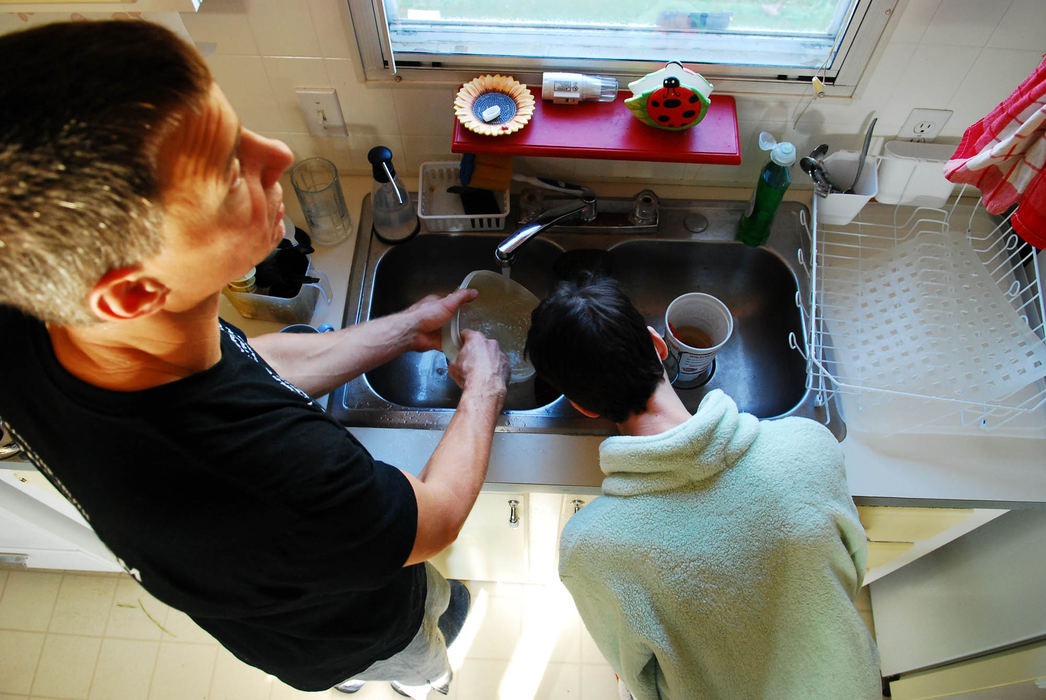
<point x="673" y="98"/>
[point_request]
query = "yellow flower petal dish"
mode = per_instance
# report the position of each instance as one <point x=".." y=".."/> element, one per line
<point x="514" y="102"/>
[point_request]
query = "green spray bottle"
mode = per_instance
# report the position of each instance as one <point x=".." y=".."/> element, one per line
<point x="754" y="227"/>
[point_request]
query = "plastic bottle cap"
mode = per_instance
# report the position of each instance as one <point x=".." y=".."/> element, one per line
<point x="783" y="153"/>
<point x="766" y="141"/>
<point x="378" y="156"/>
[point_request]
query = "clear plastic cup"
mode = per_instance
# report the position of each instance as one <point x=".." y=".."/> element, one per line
<point x="316" y="183"/>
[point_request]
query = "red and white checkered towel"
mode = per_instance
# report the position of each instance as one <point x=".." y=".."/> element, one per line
<point x="1003" y="156"/>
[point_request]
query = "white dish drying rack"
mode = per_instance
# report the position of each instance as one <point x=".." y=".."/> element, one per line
<point x="925" y="320"/>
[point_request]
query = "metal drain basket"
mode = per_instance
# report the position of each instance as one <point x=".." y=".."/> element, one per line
<point x="926" y="320"/>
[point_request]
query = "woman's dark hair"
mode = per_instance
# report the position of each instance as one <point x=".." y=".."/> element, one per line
<point x="85" y="108"/>
<point x="589" y="342"/>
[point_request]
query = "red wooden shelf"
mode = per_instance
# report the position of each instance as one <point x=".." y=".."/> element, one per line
<point x="609" y="131"/>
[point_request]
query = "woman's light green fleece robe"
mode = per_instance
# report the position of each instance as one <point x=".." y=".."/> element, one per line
<point x="722" y="562"/>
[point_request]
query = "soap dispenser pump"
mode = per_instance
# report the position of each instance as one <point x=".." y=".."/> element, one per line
<point x="395" y="219"/>
<point x="754" y="227"/>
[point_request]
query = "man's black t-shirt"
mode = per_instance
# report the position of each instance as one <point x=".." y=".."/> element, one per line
<point x="232" y="496"/>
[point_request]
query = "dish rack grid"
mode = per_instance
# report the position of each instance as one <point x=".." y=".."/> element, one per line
<point x="926" y="320"/>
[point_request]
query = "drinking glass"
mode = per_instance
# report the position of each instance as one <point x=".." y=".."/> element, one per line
<point x="316" y="183"/>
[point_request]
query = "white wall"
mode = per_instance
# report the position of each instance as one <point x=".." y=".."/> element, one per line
<point x="963" y="55"/>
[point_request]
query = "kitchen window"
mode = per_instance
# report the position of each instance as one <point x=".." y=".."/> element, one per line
<point x="740" y="45"/>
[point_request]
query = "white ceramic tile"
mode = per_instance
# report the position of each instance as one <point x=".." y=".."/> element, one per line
<point x="179" y="627"/>
<point x="362" y="104"/>
<point x="19" y="654"/>
<point x="559" y="682"/>
<point x="551" y="619"/>
<point x="595" y="170"/>
<point x="334" y="28"/>
<point x="279" y="691"/>
<point x="283" y="28"/>
<point x="598" y="682"/>
<point x="348" y="70"/>
<point x="994" y="76"/>
<point x="914" y="20"/>
<point x="876" y="91"/>
<point x="933" y="75"/>
<point x="1022" y="27"/>
<point x="424" y="111"/>
<point x="183" y="671"/>
<point x="423" y="149"/>
<point x="234" y="680"/>
<point x="3" y="581"/>
<point x="224" y="24"/>
<point x="499" y="629"/>
<point x="66" y="665"/>
<point x="83" y="604"/>
<point x="559" y="168"/>
<point x="590" y="653"/>
<point x="245" y="83"/>
<point x="28" y="600"/>
<point x="349" y="154"/>
<point x="124" y="669"/>
<point x="134" y="614"/>
<point x="481" y="678"/>
<point x="9" y="696"/>
<point x="964" y="22"/>
<point x="287" y="74"/>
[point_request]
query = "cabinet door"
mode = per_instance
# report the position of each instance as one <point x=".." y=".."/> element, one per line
<point x="899" y="535"/>
<point x="572" y="503"/>
<point x="37" y="535"/>
<point x="492" y="545"/>
<point x="1015" y="673"/>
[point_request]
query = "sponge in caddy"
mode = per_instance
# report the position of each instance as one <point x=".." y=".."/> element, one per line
<point x="486" y="171"/>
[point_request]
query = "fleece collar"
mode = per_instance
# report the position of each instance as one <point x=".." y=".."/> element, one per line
<point x="713" y="439"/>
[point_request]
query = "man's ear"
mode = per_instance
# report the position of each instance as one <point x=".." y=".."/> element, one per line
<point x="659" y="343"/>
<point x="126" y="293"/>
<point x="584" y="411"/>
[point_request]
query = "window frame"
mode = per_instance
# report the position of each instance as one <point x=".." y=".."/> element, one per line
<point x="853" y="55"/>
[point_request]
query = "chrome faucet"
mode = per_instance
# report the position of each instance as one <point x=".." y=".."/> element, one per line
<point x="585" y="206"/>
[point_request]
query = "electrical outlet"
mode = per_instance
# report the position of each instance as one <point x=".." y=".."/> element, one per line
<point x="924" y="124"/>
<point x="322" y="111"/>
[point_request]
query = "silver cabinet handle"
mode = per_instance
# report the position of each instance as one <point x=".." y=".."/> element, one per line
<point x="577" y="503"/>
<point x="513" y="513"/>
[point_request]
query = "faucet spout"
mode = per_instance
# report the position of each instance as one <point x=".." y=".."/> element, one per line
<point x="585" y="207"/>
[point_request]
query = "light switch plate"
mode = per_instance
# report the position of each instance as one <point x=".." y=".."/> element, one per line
<point x="924" y="124"/>
<point x="322" y="111"/>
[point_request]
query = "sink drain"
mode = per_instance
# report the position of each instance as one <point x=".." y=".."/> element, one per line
<point x="672" y="368"/>
<point x="695" y="222"/>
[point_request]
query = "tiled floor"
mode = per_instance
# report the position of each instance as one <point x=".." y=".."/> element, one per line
<point x="101" y="637"/>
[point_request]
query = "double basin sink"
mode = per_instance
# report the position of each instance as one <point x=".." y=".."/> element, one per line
<point x="692" y="250"/>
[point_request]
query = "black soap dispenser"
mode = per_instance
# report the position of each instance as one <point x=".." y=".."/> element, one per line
<point x="395" y="219"/>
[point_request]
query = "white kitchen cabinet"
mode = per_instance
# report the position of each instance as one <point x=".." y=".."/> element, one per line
<point x="946" y="623"/>
<point x="40" y="529"/>
<point x="492" y="544"/>
<point x="897" y="536"/>
<point x="490" y="548"/>
<point x="1014" y="674"/>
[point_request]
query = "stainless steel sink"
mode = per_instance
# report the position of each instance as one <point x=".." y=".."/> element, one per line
<point x="436" y="264"/>
<point x="693" y="250"/>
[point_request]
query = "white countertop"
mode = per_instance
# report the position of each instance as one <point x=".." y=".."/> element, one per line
<point x="918" y="469"/>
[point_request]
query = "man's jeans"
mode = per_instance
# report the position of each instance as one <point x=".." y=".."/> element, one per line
<point x="424" y="661"/>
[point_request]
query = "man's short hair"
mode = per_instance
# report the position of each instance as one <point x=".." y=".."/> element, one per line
<point x="589" y="342"/>
<point x="86" y="106"/>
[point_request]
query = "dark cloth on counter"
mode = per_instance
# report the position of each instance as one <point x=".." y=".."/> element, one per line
<point x="232" y="496"/>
